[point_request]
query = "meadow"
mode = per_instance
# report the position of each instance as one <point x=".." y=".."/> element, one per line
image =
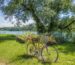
<point x="14" y="53"/>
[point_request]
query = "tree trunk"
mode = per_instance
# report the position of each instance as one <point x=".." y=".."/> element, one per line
<point x="51" y="25"/>
<point x="40" y="26"/>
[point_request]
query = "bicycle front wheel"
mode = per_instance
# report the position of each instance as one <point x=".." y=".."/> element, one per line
<point x="30" y="49"/>
<point x="49" y="54"/>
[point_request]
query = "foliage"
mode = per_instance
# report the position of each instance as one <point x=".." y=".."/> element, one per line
<point x="46" y="13"/>
<point x="34" y="38"/>
<point x="30" y="27"/>
<point x="6" y="37"/>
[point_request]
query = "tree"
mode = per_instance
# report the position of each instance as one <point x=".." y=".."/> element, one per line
<point x="46" y="13"/>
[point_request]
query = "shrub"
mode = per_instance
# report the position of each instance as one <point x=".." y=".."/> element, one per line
<point x="20" y="40"/>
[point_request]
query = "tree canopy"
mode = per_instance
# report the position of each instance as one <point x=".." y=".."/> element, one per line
<point x="46" y="13"/>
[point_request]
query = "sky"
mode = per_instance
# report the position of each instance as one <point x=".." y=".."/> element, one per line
<point x="3" y="22"/>
<point x="7" y="23"/>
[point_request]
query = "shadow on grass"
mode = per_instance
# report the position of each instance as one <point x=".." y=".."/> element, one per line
<point x="67" y="48"/>
<point x="7" y="37"/>
<point x="45" y="63"/>
<point x="22" y="58"/>
<point x="25" y="57"/>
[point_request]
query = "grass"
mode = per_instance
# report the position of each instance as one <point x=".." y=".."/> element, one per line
<point x="13" y="53"/>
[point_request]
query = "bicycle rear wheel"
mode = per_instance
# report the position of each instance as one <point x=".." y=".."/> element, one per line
<point x="49" y="54"/>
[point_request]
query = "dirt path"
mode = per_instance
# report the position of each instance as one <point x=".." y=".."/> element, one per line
<point x="1" y="63"/>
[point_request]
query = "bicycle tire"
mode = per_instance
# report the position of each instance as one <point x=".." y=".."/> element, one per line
<point x="49" y="54"/>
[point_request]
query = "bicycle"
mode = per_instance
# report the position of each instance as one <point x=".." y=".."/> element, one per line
<point x="45" y="52"/>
